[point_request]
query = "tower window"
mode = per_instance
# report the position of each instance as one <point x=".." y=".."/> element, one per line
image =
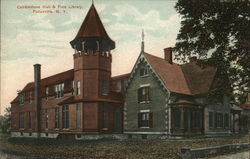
<point x="59" y="88"/>
<point x="78" y="88"/>
<point x="105" y="87"/>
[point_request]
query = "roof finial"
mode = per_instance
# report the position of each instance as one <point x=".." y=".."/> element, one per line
<point x="142" y="43"/>
<point x="92" y="1"/>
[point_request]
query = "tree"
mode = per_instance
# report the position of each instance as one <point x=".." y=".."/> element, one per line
<point x="5" y="120"/>
<point x="219" y="29"/>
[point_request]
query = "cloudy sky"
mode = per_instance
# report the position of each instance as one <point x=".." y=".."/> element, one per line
<point x="28" y="38"/>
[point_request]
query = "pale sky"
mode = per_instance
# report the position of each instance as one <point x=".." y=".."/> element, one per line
<point x="28" y="38"/>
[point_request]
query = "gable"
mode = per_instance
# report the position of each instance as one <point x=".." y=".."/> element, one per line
<point x="142" y="59"/>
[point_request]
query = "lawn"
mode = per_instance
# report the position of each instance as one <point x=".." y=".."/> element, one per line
<point x="111" y="149"/>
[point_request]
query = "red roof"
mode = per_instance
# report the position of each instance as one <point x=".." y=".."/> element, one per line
<point x="51" y="81"/>
<point x="187" y="79"/>
<point x="92" y="26"/>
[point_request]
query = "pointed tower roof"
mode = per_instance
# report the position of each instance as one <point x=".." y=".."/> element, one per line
<point x="92" y="27"/>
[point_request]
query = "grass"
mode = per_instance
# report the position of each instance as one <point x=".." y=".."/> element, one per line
<point x="149" y="149"/>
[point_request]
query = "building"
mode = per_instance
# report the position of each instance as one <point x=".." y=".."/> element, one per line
<point x="167" y="99"/>
<point x="83" y="100"/>
<point x="158" y="98"/>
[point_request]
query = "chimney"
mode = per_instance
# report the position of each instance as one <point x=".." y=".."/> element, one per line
<point x="192" y="59"/>
<point x="37" y="80"/>
<point x="168" y="55"/>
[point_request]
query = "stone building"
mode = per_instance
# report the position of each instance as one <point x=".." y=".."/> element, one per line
<point x="83" y="100"/>
<point x="167" y="99"/>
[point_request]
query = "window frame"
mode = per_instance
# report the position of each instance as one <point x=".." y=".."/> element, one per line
<point x="21" y="120"/>
<point x="59" y="90"/>
<point x="65" y="117"/>
<point x="78" y="115"/>
<point x="211" y="114"/>
<point x="46" y="115"/>
<point x="145" y="119"/>
<point x="21" y="98"/>
<point x="144" y="94"/>
<point x="144" y="72"/>
<point x="57" y="118"/>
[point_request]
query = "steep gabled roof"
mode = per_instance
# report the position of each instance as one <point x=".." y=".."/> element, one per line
<point x="92" y="26"/>
<point x="189" y="79"/>
<point x="170" y="74"/>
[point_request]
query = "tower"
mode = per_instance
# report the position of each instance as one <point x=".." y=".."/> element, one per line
<point x="92" y="57"/>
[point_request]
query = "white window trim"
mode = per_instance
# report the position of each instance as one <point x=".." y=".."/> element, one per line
<point x="145" y="111"/>
<point x="144" y="85"/>
<point x="144" y="127"/>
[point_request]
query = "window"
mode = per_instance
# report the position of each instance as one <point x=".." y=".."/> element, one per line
<point x="59" y="88"/>
<point x="105" y="87"/>
<point x="145" y="119"/>
<point x="105" y="116"/>
<point x="30" y="97"/>
<point x="46" y="118"/>
<point x="118" y="86"/>
<point x="177" y="117"/>
<point x="29" y="115"/>
<point x="218" y="120"/>
<point x="65" y="116"/>
<point x="197" y="118"/>
<point x="21" y="120"/>
<point x="143" y="72"/>
<point x="211" y="119"/>
<point x="57" y="123"/>
<point x="78" y="115"/>
<point x="47" y="93"/>
<point x="78" y="88"/>
<point x="21" y="97"/>
<point x="144" y="94"/>
<point x="226" y="120"/>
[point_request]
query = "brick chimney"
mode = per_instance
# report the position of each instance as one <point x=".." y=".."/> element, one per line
<point x="168" y="55"/>
<point x="192" y="59"/>
<point x="37" y="88"/>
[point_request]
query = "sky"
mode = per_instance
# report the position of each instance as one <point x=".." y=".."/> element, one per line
<point x="28" y="37"/>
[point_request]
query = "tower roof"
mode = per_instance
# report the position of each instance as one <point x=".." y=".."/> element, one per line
<point x="92" y="27"/>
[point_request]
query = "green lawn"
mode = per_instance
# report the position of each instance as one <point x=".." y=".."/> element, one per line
<point x="112" y="149"/>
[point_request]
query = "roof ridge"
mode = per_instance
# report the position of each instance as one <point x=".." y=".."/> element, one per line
<point x="57" y="74"/>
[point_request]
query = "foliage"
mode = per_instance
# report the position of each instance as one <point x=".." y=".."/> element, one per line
<point x="112" y="149"/>
<point x="5" y="121"/>
<point x="219" y="29"/>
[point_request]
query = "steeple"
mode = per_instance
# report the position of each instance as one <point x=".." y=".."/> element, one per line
<point x="92" y="34"/>
<point x="142" y="42"/>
